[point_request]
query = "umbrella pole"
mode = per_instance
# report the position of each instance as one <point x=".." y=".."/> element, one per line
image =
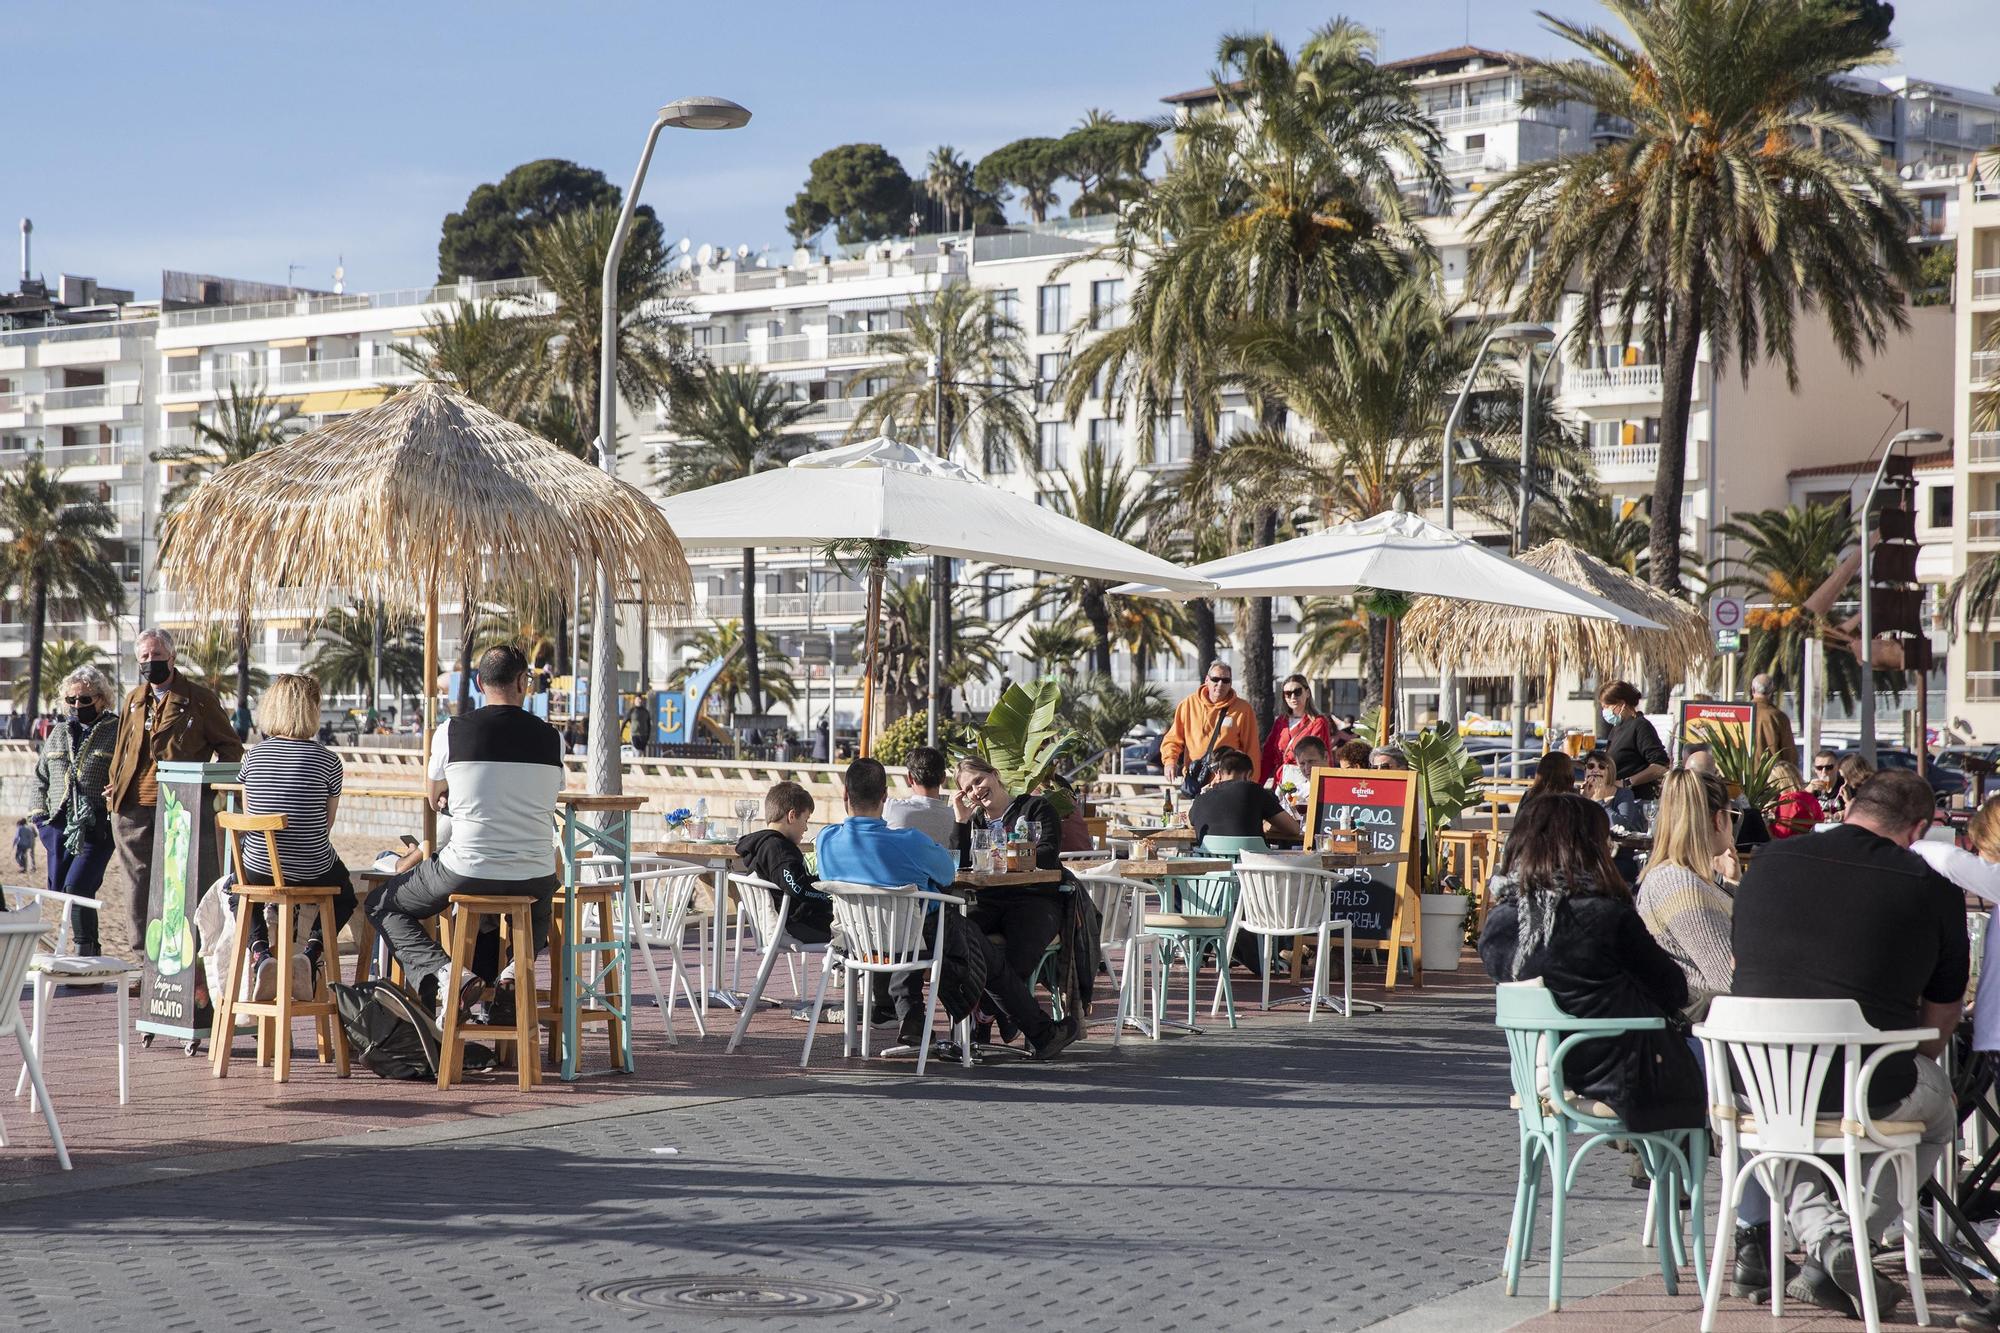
<point x="424" y="705"/>
<point x="868" y="673"/>
<point x="1388" y="732"/>
<point x="1549" y="708"/>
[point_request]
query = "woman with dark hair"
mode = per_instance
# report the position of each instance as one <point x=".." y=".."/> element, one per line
<point x="1561" y="913"/>
<point x="1555" y="774"/>
<point x="1298" y="721"/>
<point x="1634" y="746"/>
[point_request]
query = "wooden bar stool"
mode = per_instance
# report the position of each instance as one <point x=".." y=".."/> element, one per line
<point x="516" y="913"/>
<point x="275" y="1016"/>
<point x="1468" y="853"/>
<point x="604" y="897"/>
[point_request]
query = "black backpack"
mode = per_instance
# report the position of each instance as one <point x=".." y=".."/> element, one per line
<point x="392" y="1033"/>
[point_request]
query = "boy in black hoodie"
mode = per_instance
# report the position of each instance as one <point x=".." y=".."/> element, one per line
<point x="772" y="855"/>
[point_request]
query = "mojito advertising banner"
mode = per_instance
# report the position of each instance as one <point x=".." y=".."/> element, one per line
<point x="174" y="999"/>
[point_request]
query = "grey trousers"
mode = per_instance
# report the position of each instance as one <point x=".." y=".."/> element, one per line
<point x="424" y="891"/>
<point x="1812" y="1211"/>
<point x="132" y="835"/>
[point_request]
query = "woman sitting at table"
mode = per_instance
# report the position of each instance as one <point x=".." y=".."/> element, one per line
<point x="1600" y="784"/>
<point x="1234" y="806"/>
<point x="1796" y="810"/>
<point x="290" y="773"/>
<point x="1683" y="898"/>
<point x="1026" y="917"/>
<point x="1554" y="772"/>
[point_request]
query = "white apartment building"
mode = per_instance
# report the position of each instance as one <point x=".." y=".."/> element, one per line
<point x="1975" y="673"/>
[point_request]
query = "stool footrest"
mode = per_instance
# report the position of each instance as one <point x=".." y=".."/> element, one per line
<point x="478" y="900"/>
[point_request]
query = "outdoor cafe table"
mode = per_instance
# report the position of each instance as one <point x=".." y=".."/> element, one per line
<point x="1148" y="842"/>
<point x="719" y="855"/>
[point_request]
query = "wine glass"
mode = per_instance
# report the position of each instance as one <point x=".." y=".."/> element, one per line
<point x="746" y="811"/>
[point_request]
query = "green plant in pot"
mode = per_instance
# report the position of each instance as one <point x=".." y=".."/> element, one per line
<point x="1024" y="737"/>
<point x="1448" y="780"/>
<point x="1742" y="765"/>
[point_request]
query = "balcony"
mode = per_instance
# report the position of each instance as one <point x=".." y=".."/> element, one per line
<point x="1982" y="687"/>
<point x="218" y="379"/>
<point x="1986" y="284"/>
<point x="837" y="604"/>
<point x="1627" y="382"/>
<point x="446" y="294"/>
<point x="836" y="409"/>
<point x="1985" y="367"/>
<point x="1460" y="164"/>
<point x="1982" y="448"/>
<point x="1625" y="462"/>
<point x="89" y="455"/>
<point x="1983" y="526"/>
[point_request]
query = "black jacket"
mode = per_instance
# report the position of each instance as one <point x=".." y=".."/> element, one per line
<point x="776" y="859"/>
<point x="1601" y="962"/>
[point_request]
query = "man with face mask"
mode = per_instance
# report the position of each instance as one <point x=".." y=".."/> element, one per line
<point x="166" y="718"/>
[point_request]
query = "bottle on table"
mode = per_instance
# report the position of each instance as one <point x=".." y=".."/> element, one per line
<point x="701" y="820"/>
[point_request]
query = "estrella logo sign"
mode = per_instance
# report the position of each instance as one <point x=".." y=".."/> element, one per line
<point x="1362" y="791"/>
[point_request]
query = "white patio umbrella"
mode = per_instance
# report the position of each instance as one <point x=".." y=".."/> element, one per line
<point x="887" y="491"/>
<point x="1394" y="552"/>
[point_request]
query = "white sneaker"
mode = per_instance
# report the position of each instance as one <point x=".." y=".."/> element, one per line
<point x="264" y="986"/>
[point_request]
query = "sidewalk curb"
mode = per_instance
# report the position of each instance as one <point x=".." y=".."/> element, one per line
<point x="1487" y="1308"/>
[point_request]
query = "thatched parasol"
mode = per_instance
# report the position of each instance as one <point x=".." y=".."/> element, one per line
<point x="1441" y="631"/>
<point x="428" y="491"/>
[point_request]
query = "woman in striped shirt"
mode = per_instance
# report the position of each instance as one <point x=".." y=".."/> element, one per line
<point x="291" y="774"/>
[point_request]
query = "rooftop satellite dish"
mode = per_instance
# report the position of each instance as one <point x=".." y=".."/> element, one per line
<point x="685" y="245"/>
<point x="742" y="252"/>
<point x="704" y="255"/>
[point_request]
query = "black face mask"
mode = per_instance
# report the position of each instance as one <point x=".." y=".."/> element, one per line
<point x="156" y="671"/>
<point x="84" y="714"/>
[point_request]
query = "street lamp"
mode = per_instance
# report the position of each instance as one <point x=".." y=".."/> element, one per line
<point x="1530" y="336"/>
<point x="1905" y="437"/>
<point x="689" y="113"/>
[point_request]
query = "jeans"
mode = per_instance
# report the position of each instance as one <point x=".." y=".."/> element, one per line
<point x="132" y="834"/>
<point x="1754" y="1208"/>
<point x="1027" y="920"/>
<point x="343" y="904"/>
<point x="425" y="891"/>
<point x="81" y="874"/>
<point x="1811" y="1208"/>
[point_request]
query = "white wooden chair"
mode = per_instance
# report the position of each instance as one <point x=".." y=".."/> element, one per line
<point x="878" y="930"/>
<point x="754" y="895"/>
<point x="666" y="892"/>
<point x="57" y="966"/>
<point x="1121" y="909"/>
<point x="1276" y="898"/>
<point x="1768" y="1062"/>
<point x="20" y="932"/>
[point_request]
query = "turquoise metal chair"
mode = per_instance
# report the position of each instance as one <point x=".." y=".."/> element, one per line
<point x="1194" y="916"/>
<point x="1539" y="1036"/>
<point x="1216" y="845"/>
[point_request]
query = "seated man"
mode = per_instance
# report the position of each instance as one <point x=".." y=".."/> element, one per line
<point x="863" y="849"/>
<point x="1853" y="914"/>
<point x="497" y="772"/>
<point x="772" y="854"/>
<point x="925" y="809"/>
<point x="1234" y="806"/>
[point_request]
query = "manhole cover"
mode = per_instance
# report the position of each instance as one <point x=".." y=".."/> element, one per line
<point x="737" y="1294"/>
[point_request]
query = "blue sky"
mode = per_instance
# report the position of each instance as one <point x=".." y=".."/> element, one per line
<point x="241" y="138"/>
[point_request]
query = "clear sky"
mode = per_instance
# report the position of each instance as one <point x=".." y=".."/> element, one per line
<point x="239" y="138"/>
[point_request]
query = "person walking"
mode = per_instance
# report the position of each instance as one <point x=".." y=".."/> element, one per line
<point x="69" y="807"/>
<point x="1214" y="715"/>
<point x="1771" y="729"/>
<point x="167" y="718"/>
<point x="1299" y="721"/>
<point x="24" y="846"/>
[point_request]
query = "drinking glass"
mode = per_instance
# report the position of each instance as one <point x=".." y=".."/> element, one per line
<point x="746" y="811"/>
<point x="982" y="846"/>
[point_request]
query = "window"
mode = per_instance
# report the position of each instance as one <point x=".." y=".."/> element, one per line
<point x="1604" y="434"/>
<point x="1007" y="304"/>
<point x="993" y="590"/>
<point x="1048" y="369"/>
<point x="1940" y="506"/>
<point x="1051" y="445"/>
<point x="1104" y="437"/>
<point x="1474" y="142"/>
<point x="1107" y="304"/>
<point x="1052" y="309"/>
<point x="1652" y="430"/>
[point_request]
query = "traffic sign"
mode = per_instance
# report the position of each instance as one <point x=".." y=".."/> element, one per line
<point x="1725" y="613"/>
<point x="1728" y="640"/>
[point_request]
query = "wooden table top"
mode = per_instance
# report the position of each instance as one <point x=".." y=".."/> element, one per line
<point x="1159" y="867"/>
<point x="583" y="800"/>
<point x="1175" y="833"/>
<point x="712" y="850"/>
<point x="989" y="879"/>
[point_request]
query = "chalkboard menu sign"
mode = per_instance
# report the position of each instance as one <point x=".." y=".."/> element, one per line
<point x="1380" y="808"/>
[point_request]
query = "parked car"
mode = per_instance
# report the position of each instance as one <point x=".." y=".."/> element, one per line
<point x="1141" y="752"/>
<point x="1946" y="782"/>
<point x="1496" y="756"/>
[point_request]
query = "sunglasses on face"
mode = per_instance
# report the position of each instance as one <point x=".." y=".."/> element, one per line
<point x="1822" y="768"/>
<point x="1220" y="680"/>
<point x="1293" y="694"/>
<point x="75" y="703"/>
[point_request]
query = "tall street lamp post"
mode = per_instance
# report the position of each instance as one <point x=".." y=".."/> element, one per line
<point x="689" y="113"/>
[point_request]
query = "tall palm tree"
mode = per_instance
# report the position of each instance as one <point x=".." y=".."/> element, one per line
<point x="1150" y="628"/>
<point x="347" y="655"/>
<point x="1598" y="525"/>
<point x="733" y="422"/>
<point x="212" y="655"/>
<point x="58" y="545"/>
<point x="1785" y="555"/>
<point x="903" y="660"/>
<point x="1330" y="629"/>
<point x="479" y="348"/>
<point x="1749" y="192"/>
<point x="1302" y="158"/>
<point x="59" y="658"/>
<point x="1103" y="713"/>
<point x="1116" y="499"/>
<point x="948" y="181"/>
<point x="245" y="421"/>
<point x="1054" y="647"/>
<point x="731" y="684"/>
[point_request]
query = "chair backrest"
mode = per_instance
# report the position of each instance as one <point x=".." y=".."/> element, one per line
<point x="1200" y="895"/>
<point x="56" y="932"/>
<point x="1539" y="1035"/>
<point x="1781" y="1053"/>
<point x="1217" y="845"/>
<point x="20" y="932"/>
<point x="1274" y="899"/>
<point x="767" y="915"/>
<point x="1120" y="904"/>
<point x="881" y="926"/>
<point x="665" y="894"/>
<point x="234" y="826"/>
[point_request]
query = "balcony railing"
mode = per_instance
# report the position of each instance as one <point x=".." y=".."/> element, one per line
<point x="1644" y="379"/>
<point x="1985" y="367"/>
<point x="1456" y="164"/>
<point x="373" y="369"/>
<point x="76" y="332"/>
<point x="1986" y="284"/>
<point x="838" y="409"/>
<point x="12" y="402"/>
<point x="1983" y="526"/>
<point x="1982" y="686"/>
<point x="326" y="305"/>
<point x="784" y="605"/>
<point x="848" y="344"/>
<point x="89" y="455"/>
<point x="91" y="395"/>
<point x="1606" y="457"/>
<point x="1983" y="446"/>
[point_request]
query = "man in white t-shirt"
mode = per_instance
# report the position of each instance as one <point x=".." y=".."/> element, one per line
<point x="927" y="811"/>
<point x="497" y="772"/>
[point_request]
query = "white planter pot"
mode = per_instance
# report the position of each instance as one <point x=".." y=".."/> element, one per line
<point x="1444" y="930"/>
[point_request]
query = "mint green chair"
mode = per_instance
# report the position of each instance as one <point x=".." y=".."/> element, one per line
<point x="1217" y="845"/>
<point x="1193" y="920"/>
<point x="1539" y="1036"/>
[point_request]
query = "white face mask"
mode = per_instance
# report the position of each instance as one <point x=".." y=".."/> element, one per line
<point x="1611" y="716"/>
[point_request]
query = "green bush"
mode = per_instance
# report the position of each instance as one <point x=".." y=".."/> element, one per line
<point x="906" y="733"/>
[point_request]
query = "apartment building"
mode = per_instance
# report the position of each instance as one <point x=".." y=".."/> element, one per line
<point x="1975" y="670"/>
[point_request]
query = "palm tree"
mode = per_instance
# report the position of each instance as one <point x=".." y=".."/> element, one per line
<point x="59" y="658"/>
<point x="57" y="545"/>
<point x="1116" y="499"/>
<point x="1054" y="646"/>
<point x="1748" y="192"/>
<point x="948" y="181"/>
<point x="1786" y="555"/>
<point x="1330" y="628"/>
<point x="346" y="653"/>
<point x="245" y="421"/>
<point x="1598" y="525"/>
<point x="732" y="683"/>
<point x="962" y="336"/>
<point x="212" y="655"/>
<point x="1150" y="628"/>
<point x="1297" y="206"/>
<point x="1104" y="714"/>
<point x="733" y="424"/>
<point x="904" y="655"/>
<point x="480" y="349"/>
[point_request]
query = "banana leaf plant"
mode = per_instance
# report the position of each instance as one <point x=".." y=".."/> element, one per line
<point x="1447" y="779"/>
<point x="1024" y="737"/>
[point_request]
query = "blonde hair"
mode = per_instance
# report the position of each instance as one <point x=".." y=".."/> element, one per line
<point x="1983" y="829"/>
<point x="1684" y="834"/>
<point x="290" y="708"/>
<point x="1786" y="774"/>
<point x="93" y="680"/>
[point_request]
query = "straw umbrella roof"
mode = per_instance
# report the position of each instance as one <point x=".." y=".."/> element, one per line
<point x="1441" y="631"/>
<point x="428" y="489"/>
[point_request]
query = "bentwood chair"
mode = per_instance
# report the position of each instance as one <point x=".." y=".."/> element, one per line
<point x="880" y="931"/>
<point x="754" y="895"/>
<point x="20" y="932"/>
<point x="58" y="966"/>
<point x="1279" y="901"/>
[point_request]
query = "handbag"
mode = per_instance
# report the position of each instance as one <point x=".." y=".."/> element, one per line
<point x="1196" y="776"/>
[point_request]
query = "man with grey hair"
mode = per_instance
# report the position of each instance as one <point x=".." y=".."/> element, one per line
<point x="1773" y="730"/>
<point x="167" y="718"/>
